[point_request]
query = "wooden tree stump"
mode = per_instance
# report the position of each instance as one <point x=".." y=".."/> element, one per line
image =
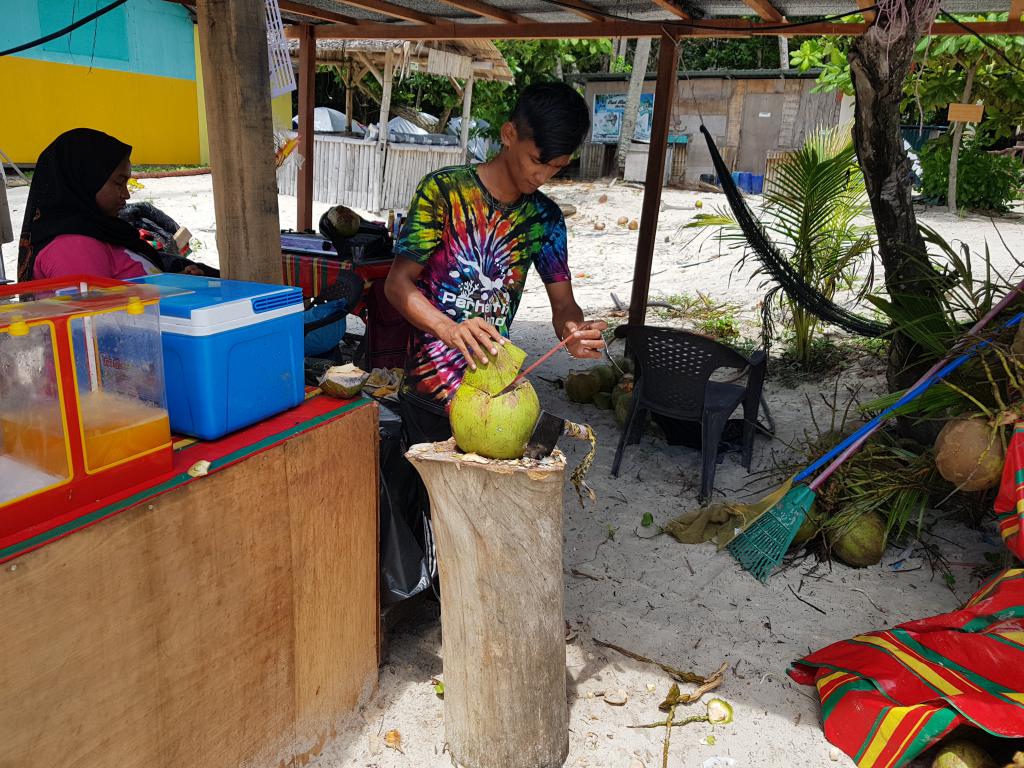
<point x="498" y="533"/>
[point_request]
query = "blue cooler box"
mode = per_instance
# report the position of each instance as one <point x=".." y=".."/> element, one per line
<point x="232" y="352"/>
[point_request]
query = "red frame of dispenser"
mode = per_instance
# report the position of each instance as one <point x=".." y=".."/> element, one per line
<point x="42" y="511"/>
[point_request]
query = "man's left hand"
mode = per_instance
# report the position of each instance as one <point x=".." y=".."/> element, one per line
<point x="584" y="339"/>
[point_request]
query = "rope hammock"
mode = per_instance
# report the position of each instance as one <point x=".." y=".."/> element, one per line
<point x="776" y="264"/>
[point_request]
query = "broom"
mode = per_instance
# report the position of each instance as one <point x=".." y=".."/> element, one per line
<point x="760" y="547"/>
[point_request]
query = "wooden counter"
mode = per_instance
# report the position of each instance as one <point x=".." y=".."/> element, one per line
<point x="230" y="621"/>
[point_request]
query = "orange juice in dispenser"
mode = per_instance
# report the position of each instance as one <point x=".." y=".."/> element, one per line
<point x="82" y="404"/>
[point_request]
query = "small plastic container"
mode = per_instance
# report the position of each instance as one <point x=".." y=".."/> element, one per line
<point x="232" y="352"/>
<point x="82" y="411"/>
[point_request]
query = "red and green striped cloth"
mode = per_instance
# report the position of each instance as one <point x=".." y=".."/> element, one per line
<point x="887" y="696"/>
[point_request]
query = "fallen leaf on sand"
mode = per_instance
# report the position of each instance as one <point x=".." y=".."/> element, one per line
<point x="616" y="698"/>
<point x="393" y="739"/>
<point x="200" y="469"/>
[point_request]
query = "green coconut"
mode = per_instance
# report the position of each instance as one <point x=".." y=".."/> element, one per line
<point x="344" y="220"/>
<point x="623" y="389"/>
<point x="603" y="401"/>
<point x="860" y="543"/>
<point x="962" y="754"/>
<point x="623" y="364"/>
<point x="622" y="410"/>
<point x="500" y="371"/>
<point x="495" y="427"/>
<point x="581" y="386"/>
<point x="809" y="528"/>
<point x="606" y="373"/>
<point x="969" y="454"/>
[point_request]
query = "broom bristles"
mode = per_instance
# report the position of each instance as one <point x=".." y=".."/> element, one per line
<point x="761" y="547"/>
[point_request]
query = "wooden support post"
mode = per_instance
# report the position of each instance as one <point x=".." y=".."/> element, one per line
<point x="233" y="45"/>
<point x="382" y="125"/>
<point x="668" y="62"/>
<point x="498" y="532"/>
<point x="307" y="102"/>
<point x="349" y="85"/>
<point x="467" y="105"/>
<point x="1016" y="10"/>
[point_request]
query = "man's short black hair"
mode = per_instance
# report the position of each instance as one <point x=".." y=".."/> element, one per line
<point x="554" y="115"/>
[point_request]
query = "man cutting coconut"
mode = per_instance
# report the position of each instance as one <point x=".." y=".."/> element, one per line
<point x="462" y="257"/>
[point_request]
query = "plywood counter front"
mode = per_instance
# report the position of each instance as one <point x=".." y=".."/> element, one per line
<point x="229" y="621"/>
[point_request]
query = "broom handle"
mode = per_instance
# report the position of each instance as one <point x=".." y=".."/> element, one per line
<point x="943" y="367"/>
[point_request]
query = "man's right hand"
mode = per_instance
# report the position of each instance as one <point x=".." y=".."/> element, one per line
<point x="471" y="337"/>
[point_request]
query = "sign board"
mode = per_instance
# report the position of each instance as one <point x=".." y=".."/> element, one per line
<point x="608" y="111"/>
<point x="448" y="64"/>
<point x="966" y="113"/>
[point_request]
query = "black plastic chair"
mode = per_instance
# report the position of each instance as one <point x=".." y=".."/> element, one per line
<point x="673" y="378"/>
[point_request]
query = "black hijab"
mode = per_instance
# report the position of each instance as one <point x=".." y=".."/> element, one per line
<point x="62" y="198"/>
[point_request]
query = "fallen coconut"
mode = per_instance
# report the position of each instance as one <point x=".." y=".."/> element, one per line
<point x="599" y="226"/>
<point x="809" y="528"/>
<point x="581" y="386"/>
<point x="861" y="542"/>
<point x="962" y="754"/>
<point x="622" y="221"/>
<point x="489" y="419"/>
<point x="606" y="373"/>
<point x="634" y="225"/>
<point x="344" y="381"/>
<point x="624" y="389"/>
<point x="602" y="199"/>
<point x="603" y="401"/>
<point x="622" y="410"/>
<point x="969" y="454"/>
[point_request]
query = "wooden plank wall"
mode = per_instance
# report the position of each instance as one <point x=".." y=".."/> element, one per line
<point x="231" y="622"/>
<point x="344" y="172"/>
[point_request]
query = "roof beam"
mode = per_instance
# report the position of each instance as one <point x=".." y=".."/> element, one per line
<point x="672" y="8"/>
<point x="390" y="9"/>
<point x="769" y="12"/>
<point x="869" y="16"/>
<point x="487" y="11"/>
<point x="299" y="9"/>
<point x="311" y="12"/>
<point x="584" y="9"/>
<point x="704" y="28"/>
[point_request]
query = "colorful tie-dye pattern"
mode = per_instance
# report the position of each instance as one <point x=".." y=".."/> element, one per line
<point x="476" y="253"/>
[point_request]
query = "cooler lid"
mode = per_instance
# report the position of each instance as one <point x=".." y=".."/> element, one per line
<point x="212" y="300"/>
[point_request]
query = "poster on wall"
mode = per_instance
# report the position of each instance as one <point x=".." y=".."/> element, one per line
<point x="608" y="111"/>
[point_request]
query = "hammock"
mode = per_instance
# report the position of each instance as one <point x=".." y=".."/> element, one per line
<point x="775" y="263"/>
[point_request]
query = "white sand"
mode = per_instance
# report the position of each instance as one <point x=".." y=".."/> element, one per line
<point x="688" y="606"/>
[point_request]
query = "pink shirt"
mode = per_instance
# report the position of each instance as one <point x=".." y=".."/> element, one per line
<point x="82" y="255"/>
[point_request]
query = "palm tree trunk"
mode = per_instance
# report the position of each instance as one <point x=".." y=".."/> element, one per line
<point x="636" y="86"/>
<point x="880" y="61"/>
<point x="958" y="134"/>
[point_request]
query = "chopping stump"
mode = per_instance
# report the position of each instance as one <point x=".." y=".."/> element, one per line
<point x="498" y="533"/>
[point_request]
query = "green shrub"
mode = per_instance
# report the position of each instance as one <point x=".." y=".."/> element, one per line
<point x="983" y="181"/>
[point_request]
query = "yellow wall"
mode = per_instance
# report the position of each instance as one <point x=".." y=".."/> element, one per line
<point x="204" y="134"/>
<point x="44" y="99"/>
<point x="281" y="108"/>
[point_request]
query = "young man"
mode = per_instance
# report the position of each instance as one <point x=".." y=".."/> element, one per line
<point x="464" y="252"/>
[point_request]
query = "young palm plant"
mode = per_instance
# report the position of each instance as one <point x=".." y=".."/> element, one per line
<point x="810" y="212"/>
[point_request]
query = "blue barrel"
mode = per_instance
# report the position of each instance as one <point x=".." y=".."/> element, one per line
<point x="756" y="183"/>
<point x="745" y="182"/>
<point x="736" y="179"/>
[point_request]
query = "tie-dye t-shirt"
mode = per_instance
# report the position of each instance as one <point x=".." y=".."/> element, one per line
<point x="476" y="252"/>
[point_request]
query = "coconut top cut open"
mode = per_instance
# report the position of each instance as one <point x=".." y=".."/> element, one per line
<point x="500" y="371"/>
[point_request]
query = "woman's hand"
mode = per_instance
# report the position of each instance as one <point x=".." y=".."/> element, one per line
<point x="471" y="337"/>
<point x="193" y="269"/>
<point x="585" y="339"/>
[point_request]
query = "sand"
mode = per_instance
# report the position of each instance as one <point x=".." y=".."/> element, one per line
<point x="688" y="606"/>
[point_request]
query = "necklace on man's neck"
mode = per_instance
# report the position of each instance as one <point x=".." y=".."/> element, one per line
<point x="491" y="168"/>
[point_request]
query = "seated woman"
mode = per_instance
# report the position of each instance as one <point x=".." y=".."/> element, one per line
<point x="71" y="223"/>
